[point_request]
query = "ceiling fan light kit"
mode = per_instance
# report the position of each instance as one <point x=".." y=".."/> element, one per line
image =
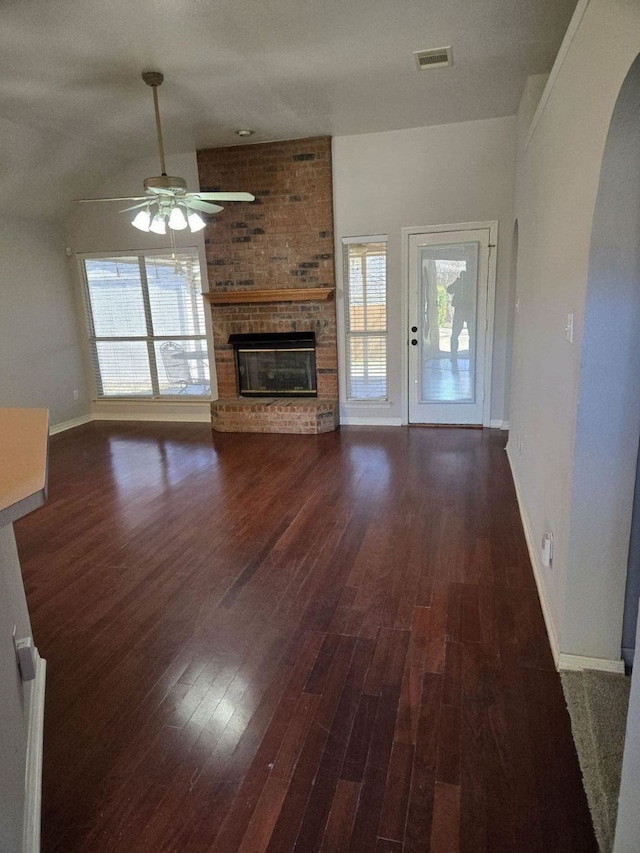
<point x="142" y="220"/>
<point x="166" y="201"/>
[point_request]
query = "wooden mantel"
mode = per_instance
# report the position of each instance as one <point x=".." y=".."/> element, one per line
<point x="290" y="294"/>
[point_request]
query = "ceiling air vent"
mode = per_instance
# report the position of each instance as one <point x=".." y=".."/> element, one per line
<point x="437" y="57"/>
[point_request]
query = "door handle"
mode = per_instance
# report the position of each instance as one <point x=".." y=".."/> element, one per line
<point x="414" y="342"/>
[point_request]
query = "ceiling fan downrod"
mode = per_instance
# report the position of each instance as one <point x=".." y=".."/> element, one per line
<point x="154" y="79"/>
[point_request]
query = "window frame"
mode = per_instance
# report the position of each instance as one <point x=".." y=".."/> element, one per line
<point x="350" y="335"/>
<point x="91" y="339"/>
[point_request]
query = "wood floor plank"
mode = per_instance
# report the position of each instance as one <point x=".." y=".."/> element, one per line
<point x="445" y="833"/>
<point x="396" y="796"/>
<point x="343" y="808"/>
<point x="279" y="643"/>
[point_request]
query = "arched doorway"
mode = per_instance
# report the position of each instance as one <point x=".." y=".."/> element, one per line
<point x="608" y="418"/>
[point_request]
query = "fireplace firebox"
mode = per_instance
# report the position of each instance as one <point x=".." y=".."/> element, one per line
<point x="276" y="364"/>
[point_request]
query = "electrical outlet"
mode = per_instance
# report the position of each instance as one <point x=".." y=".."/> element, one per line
<point x="519" y="444"/>
<point x="76" y="395"/>
<point x="547" y="550"/>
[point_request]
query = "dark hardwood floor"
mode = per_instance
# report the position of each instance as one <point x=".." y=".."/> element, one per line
<point x="278" y="643"/>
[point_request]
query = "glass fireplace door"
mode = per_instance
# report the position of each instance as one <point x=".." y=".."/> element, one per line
<point x="277" y="372"/>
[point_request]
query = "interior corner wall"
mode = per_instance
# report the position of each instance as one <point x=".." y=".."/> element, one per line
<point x="40" y="348"/>
<point x="427" y="176"/>
<point x="557" y="185"/>
<point x="101" y="228"/>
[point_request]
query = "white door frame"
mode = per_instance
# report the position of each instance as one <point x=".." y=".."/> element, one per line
<point x="407" y="232"/>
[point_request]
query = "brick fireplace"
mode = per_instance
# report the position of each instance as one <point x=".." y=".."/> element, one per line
<point x="271" y="269"/>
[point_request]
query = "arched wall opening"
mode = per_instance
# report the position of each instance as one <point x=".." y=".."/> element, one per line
<point x="608" y="417"/>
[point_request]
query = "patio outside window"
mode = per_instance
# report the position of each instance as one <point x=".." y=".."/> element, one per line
<point x="145" y="324"/>
<point x="365" y="279"/>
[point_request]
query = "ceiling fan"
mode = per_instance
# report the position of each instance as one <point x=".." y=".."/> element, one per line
<point x="166" y="200"/>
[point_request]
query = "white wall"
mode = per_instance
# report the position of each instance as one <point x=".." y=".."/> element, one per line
<point x="420" y="177"/>
<point x="14" y="696"/>
<point x="40" y="349"/>
<point x="557" y="186"/>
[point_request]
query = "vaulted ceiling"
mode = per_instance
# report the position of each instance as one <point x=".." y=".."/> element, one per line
<point x="72" y="100"/>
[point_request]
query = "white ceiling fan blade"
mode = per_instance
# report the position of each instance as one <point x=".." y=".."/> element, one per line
<point x="203" y="205"/>
<point x="134" y="207"/>
<point x="226" y="196"/>
<point x="123" y="198"/>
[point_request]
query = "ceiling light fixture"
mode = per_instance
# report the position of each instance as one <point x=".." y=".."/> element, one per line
<point x="196" y="222"/>
<point x="177" y="219"/>
<point x="245" y="132"/>
<point x="166" y="201"/>
<point x="142" y="220"/>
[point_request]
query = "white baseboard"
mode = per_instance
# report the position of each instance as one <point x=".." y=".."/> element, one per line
<point x="168" y="417"/>
<point x="33" y="772"/>
<point x="578" y="662"/>
<point x="187" y="418"/>
<point x="351" y="421"/>
<point x="167" y="411"/>
<point x="562" y="660"/>
<point x="74" y="422"/>
<point x="537" y="567"/>
<point x="498" y="424"/>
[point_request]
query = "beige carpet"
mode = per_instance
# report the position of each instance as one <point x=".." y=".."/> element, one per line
<point x="597" y="703"/>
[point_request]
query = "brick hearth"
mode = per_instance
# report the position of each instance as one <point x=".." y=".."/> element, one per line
<point x="274" y="414"/>
<point x="283" y="240"/>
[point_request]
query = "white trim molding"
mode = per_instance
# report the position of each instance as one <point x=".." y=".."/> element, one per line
<point x="352" y="421"/>
<point x="496" y="423"/>
<point x="572" y="30"/>
<point x="180" y="411"/>
<point x="33" y="772"/>
<point x="194" y="414"/>
<point x="74" y="422"/>
<point x="187" y="418"/>
<point x="562" y="660"/>
<point x="537" y="568"/>
<point x="579" y="662"/>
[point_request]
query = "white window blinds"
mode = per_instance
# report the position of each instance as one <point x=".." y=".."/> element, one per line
<point x="145" y="322"/>
<point x="365" y="279"/>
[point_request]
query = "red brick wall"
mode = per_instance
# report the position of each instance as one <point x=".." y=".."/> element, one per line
<point x="282" y="240"/>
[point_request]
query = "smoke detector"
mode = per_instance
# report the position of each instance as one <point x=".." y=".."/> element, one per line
<point x="436" y="57"/>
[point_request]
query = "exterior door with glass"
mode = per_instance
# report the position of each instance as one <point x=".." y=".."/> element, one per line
<point x="448" y="328"/>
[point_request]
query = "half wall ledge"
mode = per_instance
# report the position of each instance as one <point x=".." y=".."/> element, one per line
<point x="298" y="415"/>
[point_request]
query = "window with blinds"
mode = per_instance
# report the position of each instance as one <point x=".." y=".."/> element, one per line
<point x="365" y="286"/>
<point x="145" y="322"/>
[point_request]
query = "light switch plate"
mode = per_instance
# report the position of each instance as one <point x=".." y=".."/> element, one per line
<point x="569" y="328"/>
